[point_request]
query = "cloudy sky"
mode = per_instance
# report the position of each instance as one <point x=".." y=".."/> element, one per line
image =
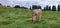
<point x="28" y="3"/>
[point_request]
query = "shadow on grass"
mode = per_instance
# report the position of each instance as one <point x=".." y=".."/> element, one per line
<point x="36" y="22"/>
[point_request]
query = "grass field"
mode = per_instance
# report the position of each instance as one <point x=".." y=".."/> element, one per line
<point x="18" y="18"/>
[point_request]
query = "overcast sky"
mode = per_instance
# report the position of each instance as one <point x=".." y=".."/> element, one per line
<point x="28" y="3"/>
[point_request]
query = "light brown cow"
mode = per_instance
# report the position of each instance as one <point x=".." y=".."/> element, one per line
<point x="36" y="13"/>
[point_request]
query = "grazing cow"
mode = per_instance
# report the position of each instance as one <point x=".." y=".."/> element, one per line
<point x="36" y="13"/>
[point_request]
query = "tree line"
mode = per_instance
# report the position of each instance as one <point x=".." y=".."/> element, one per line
<point x="49" y="7"/>
<point x="35" y="7"/>
<point x="45" y="8"/>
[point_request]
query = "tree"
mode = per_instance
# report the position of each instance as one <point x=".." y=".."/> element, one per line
<point x="53" y="8"/>
<point x="46" y="8"/>
<point x="8" y="6"/>
<point x="17" y="6"/>
<point x="24" y="7"/>
<point x="34" y="6"/>
<point x="30" y="7"/>
<point x="49" y="7"/>
<point x="39" y="7"/>
<point x="58" y="7"/>
<point x="0" y="4"/>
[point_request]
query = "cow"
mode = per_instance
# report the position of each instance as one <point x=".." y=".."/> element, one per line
<point x="36" y="13"/>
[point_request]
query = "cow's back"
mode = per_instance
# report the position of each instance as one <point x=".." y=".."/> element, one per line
<point x="37" y="11"/>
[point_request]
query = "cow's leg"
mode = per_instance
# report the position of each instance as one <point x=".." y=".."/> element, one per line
<point x="33" y="18"/>
<point x="40" y="15"/>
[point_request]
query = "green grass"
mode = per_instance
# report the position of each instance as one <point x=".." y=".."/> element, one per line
<point x="18" y="18"/>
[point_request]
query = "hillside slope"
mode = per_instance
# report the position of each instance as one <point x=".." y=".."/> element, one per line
<point x="17" y="18"/>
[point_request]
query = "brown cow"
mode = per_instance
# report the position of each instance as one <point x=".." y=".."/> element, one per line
<point x="36" y="13"/>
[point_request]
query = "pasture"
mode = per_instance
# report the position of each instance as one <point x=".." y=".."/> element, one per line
<point x="20" y="18"/>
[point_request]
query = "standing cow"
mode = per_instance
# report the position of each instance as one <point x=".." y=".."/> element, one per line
<point x="36" y="13"/>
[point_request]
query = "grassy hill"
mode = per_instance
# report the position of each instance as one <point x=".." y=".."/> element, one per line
<point x="18" y="18"/>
